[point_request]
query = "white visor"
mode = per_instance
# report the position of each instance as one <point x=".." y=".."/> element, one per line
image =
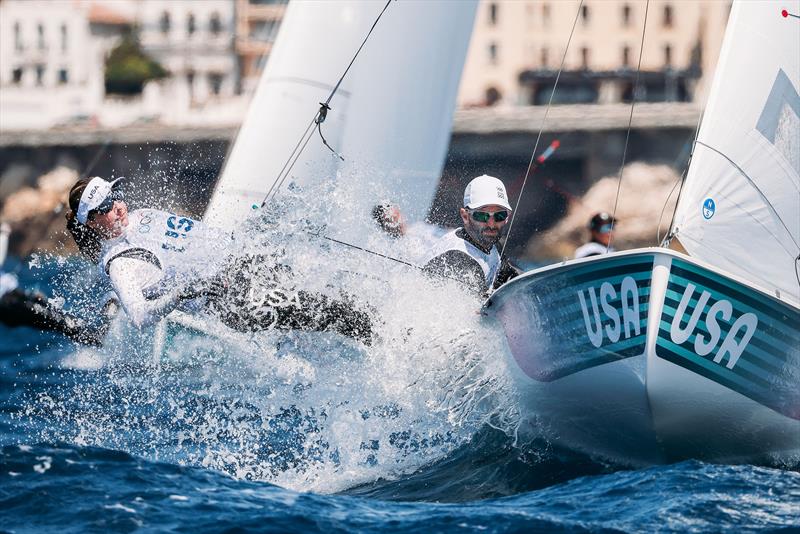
<point x="95" y="193"/>
<point x="484" y="191"/>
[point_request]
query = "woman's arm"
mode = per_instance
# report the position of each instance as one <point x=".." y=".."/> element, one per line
<point x="130" y="276"/>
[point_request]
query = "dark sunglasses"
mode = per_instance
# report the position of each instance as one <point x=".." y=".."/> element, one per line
<point x="107" y="204"/>
<point x="484" y="216"/>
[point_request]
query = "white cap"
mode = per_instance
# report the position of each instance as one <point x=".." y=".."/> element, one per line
<point x="95" y="193"/>
<point x="484" y="191"/>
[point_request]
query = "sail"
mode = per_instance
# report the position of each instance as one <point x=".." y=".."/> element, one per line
<point x="392" y="114"/>
<point x="740" y="206"/>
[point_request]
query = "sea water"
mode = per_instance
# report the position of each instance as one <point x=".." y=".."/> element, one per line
<point x="313" y="432"/>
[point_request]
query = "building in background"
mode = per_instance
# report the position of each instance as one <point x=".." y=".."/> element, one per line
<point x="257" y="24"/>
<point x="52" y="56"/>
<point x="517" y="48"/>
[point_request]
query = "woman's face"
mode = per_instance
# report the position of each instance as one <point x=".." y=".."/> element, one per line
<point x="112" y="223"/>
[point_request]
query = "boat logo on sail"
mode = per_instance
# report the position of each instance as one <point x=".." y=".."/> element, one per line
<point x="709" y="207"/>
<point x="707" y="339"/>
<point x="620" y="315"/>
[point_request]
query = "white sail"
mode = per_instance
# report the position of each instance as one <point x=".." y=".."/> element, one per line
<point x="393" y="113"/>
<point x="740" y="206"/>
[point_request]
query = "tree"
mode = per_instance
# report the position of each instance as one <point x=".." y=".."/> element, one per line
<point x="128" y="68"/>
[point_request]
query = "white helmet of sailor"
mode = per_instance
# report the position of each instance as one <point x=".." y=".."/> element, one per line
<point x="485" y="190"/>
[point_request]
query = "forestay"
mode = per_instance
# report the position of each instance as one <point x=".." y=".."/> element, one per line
<point x="740" y="207"/>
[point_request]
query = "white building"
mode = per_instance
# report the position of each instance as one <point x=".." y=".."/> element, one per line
<point x="51" y="67"/>
<point x="52" y="58"/>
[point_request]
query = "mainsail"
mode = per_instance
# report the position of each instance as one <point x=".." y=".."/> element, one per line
<point x="740" y="206"/>
<point x="393" y="112"/>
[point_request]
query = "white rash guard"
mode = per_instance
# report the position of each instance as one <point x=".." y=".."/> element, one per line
<point x="592" y="248"/>
<point x="157" y="256"/>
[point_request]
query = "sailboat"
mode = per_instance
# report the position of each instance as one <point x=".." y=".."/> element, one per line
<point x="691" y="349"/>
<point x="391" y="114"/>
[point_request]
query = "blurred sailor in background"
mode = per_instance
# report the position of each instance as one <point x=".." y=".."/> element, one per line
<point x="601" y="226"/>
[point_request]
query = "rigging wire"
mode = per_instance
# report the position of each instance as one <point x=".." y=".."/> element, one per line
<point x="319" y="118"/>
<point x="539" y="135"/>
<point x="671" y="232"/>
<point x="630" y="121"/>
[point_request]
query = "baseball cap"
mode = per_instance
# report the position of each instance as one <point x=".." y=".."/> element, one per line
<point x="98" y="194"/>
<point x="602" y="222"/>
<point x="484" y="191"/>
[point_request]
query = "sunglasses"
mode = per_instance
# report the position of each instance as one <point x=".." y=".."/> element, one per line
<point x="107" y="204"/>
<point x="606" y="228"/>
<point x="484" y="216"/>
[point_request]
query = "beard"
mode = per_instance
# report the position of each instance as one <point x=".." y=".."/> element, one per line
<point x="479" y="234"/>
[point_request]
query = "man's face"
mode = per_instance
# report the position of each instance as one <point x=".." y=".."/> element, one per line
<point x="601" y="237"/>
<point x="486" y="233"/>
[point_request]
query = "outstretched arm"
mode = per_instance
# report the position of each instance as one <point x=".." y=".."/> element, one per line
<point x="129" y="276"/>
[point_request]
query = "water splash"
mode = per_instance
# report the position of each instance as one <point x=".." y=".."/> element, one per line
<point x="307" y="411"/>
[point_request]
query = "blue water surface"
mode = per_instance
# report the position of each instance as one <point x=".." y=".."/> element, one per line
<point x="151" y="476"/>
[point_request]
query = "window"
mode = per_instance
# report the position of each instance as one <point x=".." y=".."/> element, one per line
<point x="40" y="44"/>
<point x="165" y="23"/>
<point x="626" y="15"/>
<point x="63" y="76"/>
<point x="626" y="56"/>
<point x="545" y="59"/>
<point x="39" y="75"/>
<point x="667" y="56"/>
<point x="585" y="14"/>
<point x="16" y="76"/>
<point x="492" y="53"/>
<point x="215" y="24"/>
<point x="191" y="25"/>
<point x="546" y="15"/>
<point x="493" y="14"/>
<point x="215" y="81"/>
<point x="64" y="40"/>
<point x="584" y="58"/>
<point x="492" y="96"/>
<point x="18" y="46"/>
<point x="190" y="83"/>
<point x="668" y="16"/>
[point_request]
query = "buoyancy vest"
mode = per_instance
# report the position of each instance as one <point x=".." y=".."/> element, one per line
<point x="182" y="248"/>
<point x="489" y="262"/>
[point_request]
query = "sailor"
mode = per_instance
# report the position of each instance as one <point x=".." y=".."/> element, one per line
<point x="600" y="227"/>
<point x="469" y="254"/>
<point x="159" y="261"/>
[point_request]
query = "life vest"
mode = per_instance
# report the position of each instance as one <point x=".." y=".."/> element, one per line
<point x="181" y="247"/>
<point x="489" y="262"/>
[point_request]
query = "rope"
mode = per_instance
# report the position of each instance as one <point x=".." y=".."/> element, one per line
<point x="319" y="118"/>
<point x="539" y="135"/>
<point x="630" y="121"/>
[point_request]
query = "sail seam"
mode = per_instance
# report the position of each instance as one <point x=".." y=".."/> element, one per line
<point x="761" y="194"/>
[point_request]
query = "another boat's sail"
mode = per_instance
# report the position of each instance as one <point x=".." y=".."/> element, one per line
<point x="393" y="112"/>
<point x="740" y="206"/>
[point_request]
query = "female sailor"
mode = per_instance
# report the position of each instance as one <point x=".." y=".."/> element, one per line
<point x="158" y="261"/>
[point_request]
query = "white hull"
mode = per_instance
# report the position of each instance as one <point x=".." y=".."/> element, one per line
<point x="644" y="396"/>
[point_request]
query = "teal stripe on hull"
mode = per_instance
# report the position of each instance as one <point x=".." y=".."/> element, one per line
<point x="546" y="326"/>
<point x="760" y="360"/>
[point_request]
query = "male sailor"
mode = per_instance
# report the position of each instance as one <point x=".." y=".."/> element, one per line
<point x="469" y="254"/>
<point x="159" y="261"/>
<point x="600" y="227"/>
